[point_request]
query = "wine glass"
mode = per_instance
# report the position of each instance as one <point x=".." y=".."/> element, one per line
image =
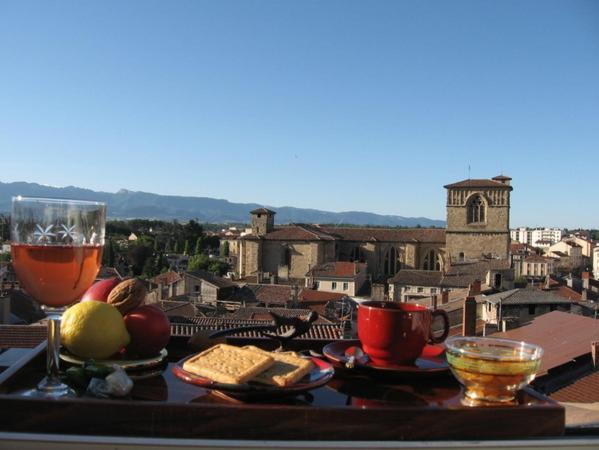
<point x="56" y="250"/>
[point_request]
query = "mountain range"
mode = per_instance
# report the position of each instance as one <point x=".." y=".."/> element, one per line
<point x="126" y="204"/>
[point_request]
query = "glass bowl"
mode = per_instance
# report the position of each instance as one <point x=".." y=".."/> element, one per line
<point x="492" y="370"/>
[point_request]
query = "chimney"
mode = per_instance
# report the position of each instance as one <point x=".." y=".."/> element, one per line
<point x="474" y="288"/>
<point x="469" y="317"/>
<point x="444" y="297"/>
<point x="595" y="353"/>
<point x="584" y="296"/>
<point x="433" y="302"/>
<point x="585" y="279"/>
<point x="547" y="283"/>
<point x="569" y="281"/>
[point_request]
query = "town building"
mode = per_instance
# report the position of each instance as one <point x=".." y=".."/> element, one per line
<point x="535" y="267"/>
<point x="513" y="308"/>
<point x="568" y="253"/>
<point x="596" y="262"/>
<point x="344" y="277"/>
<point x="537" y="237"/>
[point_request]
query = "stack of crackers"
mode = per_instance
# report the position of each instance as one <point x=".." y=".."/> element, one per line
<point x="236" y="365"/>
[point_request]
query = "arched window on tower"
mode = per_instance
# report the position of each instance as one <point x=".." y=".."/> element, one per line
<point x="432" y="261"/>
<point x="392" y="261"/>
<point x="476" y="210"/>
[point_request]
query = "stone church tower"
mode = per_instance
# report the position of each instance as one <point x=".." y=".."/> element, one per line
<point x="478" y="219"/>
<point x="263" y="221"/>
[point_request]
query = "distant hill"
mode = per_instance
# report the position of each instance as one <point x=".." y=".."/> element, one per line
<point x="126" y="204"/>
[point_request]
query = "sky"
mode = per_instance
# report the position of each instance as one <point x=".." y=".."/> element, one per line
<point x="333" y="105"/>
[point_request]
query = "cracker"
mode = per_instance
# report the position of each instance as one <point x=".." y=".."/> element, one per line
<point x="288" y="368"/>
<point x="228" y="364"/>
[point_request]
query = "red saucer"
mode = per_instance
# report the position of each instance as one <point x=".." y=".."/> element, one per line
<point x="432" y="359"/>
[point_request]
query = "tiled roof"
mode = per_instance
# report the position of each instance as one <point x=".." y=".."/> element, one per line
<point x="294" y="232"/>
<point x="484" y="183"/>
<point x="262" y="211"/>
<point x="310" y="295"/>
<point x="165" y="278"/>
<point x="176" y="308"/>
<point x="210" y="278"/>
<point x="22" y="336"/>
<point x="583" y="390"/>
<point x="252" y="312"/>
<point x="567" y="293"/>
<point x="464" y="274"/>
<point x="316" y="332"/>
<point x="270" y="293"/>
<point x="363" y="234"/>
<point x="338" y="269"/>
<point x="526" y="296"/>
<point x="417" y="278"/>
<point x="562" y="336"/>
<point x="501" y="178"/>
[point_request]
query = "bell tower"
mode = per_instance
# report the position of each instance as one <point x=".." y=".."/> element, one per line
<point x="263" y="221"/>
<point x="478" y="219"/>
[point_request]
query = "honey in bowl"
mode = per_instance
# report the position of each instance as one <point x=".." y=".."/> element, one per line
<point x="492" y="370"/>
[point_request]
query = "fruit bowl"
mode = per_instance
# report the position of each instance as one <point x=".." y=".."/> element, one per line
<point x="121" y="360"/>
<point x="492" y="370"/>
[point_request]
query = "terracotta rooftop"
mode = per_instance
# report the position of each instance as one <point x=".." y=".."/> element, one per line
<point x="262" y="211"/>
<point x="317" y="331"/>
<point x="294" y="232"/>
<point x="526" y="296"/>
<point x="22" y="336"/>
<point x="310" y="295"/>
<point x="482" y="183"/>
<point x="562" y="336"/>
<point x="338" y="269"/>
<point x="361" y="234"/>
<point x="417" y="278"/>
<point x="165" y="278"/>
<point x="583" y="390"/>
<point x="269" y="293"/>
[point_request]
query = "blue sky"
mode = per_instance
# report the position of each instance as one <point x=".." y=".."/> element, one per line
<point x="335" y="105"/>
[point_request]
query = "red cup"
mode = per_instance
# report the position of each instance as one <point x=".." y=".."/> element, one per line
<point x="396" y="333"/>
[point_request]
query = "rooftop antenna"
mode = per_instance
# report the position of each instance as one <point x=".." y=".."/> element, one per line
<point x="468" y="171"/>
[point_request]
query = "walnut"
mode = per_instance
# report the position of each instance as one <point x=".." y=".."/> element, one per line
<point x="128" y="295"/>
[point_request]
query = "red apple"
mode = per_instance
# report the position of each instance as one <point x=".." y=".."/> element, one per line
<point x="100" y="290"/>
<point x="149" y="329"/>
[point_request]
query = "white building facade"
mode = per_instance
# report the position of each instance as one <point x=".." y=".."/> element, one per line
<point x="537" y="237"/>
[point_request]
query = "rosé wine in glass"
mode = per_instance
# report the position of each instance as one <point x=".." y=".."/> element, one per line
<point x="57" y="250"/>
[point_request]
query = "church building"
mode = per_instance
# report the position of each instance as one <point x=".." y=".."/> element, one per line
<point x="477" y="228"/>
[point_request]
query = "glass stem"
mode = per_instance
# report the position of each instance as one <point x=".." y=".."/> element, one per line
<point x="52" y="385"/>
<point x="52" y="355"/>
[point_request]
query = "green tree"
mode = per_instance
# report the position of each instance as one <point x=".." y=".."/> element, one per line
<point x="176" y="247"/>
<point x="225" y="248"/>
<point x="198" y="262"/>
<point x="149" y="269"/>
<point x="186" y="247"/>
<point x="137" y="255"/>
<point x="198" y="248"/>
<point x="156" y="248"/>
<point x="218" y="267"/>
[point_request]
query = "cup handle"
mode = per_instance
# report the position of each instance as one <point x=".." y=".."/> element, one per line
<point x="443" y="314"/>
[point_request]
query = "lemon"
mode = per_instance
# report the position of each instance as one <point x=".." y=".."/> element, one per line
<point x="93" y="329"/>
